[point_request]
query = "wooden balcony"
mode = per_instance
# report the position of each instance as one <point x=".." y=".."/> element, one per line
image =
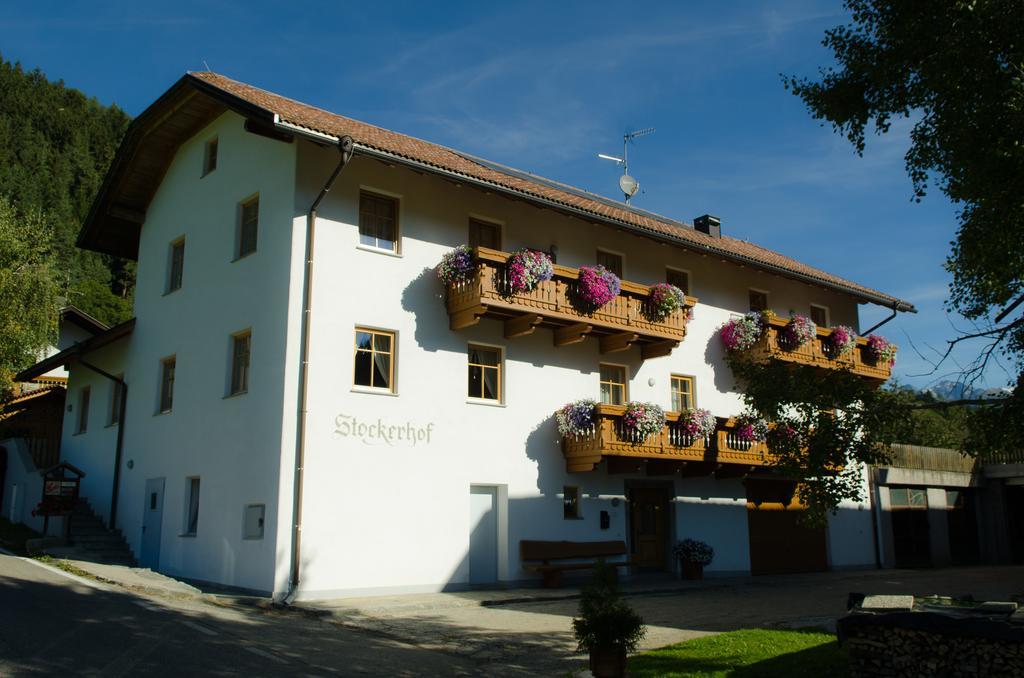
<point x="622" y="323"/>
<point x="817" y="353"/>
<point x="667" y="452"/>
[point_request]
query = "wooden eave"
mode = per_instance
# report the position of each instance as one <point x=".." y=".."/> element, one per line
<point x="81" y="348"/>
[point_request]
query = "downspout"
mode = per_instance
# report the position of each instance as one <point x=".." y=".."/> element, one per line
<point x="345" y="147"/>
<point x="120" y="437"/>
<point x="895" y="310"/>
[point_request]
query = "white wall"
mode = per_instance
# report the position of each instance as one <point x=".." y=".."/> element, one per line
<point x="23" y="487"/>
<point x="380" y="517"/>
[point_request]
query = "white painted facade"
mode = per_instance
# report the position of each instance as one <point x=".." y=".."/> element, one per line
<point x="382" y="516"/>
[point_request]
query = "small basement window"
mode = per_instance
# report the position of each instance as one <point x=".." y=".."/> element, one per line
<point x="252" y="527"/>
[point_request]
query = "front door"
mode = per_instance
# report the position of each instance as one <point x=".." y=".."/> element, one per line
<point x="483" y="535"/>
<point x="152" y="518"/>
<point x="648" y="528"/>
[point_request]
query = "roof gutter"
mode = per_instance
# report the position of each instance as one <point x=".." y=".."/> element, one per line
<point x="345" y="147"/>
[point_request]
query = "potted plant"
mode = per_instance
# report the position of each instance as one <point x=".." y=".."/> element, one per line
<point x="880" y="351"/>
<point x="693" y="556"/>
<point x="607" y="628"/>
<point x="597" y="286"/>
<point x="665" y="299"/>
<point x="641" y="420"/>
<point x="751" y="428"/>
<point x="527" y="269"/>
<point x="841" y="340"/>
<point x="740" y="334"/>
<point x="697" y="423"/>
<point x="798" y="331"/>
<point x="457" y="266"/>
<point x="577" y="418"/>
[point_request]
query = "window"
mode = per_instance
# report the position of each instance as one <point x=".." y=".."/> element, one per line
<point x="907" y="497"/>
<point x="611" y="261"/>
<point x="378" y="221"/>
<point x="758" y="300"/>
<point x="83" y="410"/>
<point x="375" y="359"/>
<point x="177" y="265"/>
<point x="613" y="384"/>
<point x="240" y="344"/>
<point x="167" y="366"/>
<point x="484" y="234"/>
<point x="116" y="394"/>
<point x="210" y="156"/>
<point x="192" y="507"/>
<point x="680" y="279"/>
<point x="683" y="397"/>
<point x="248" y="227"/>
<point x="570" y="503"/>
<point x="819" y="315"/>
<point x="485" y="373"/>
<point x="252" y="521"/>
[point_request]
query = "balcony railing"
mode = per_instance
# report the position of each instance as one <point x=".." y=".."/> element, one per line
<point x="623" y="322"/>
<point x="817" y="352"/>
<point x="612" y="440"/>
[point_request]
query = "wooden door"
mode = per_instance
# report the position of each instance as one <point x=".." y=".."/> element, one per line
<point x="780" y="541"/>
<point x="649" y="526"/>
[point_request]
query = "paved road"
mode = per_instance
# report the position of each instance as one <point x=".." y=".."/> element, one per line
<point x="52" y="625"/>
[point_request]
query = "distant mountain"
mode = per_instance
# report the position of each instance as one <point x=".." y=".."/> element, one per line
<point x="955" y="390"/>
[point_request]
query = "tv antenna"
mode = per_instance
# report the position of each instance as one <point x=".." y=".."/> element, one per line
<point x="627" y="184"/>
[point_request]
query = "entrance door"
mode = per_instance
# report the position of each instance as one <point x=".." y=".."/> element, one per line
<point x="648" y="528"/>
<point x="483" y="535"/>
<point x="152" y="519"/>
<point x="780" y="540"/>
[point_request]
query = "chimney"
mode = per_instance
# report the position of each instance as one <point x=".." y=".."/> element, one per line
<point x="708" y="224"/>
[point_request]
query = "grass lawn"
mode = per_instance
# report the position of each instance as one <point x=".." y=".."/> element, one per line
<point x="14" y="535"/>
<point x="746" y="654"/>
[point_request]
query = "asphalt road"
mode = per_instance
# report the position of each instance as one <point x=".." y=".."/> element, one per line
<point x="53" y="625"/>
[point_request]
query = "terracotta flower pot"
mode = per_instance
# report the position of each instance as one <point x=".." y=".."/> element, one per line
<point x="692" y="570"/>
<point x="608" y="662"/>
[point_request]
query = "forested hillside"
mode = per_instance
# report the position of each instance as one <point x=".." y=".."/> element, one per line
<point x="55" y="146"/>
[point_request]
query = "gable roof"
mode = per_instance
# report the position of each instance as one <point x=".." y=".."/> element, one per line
<point x="83" y="320"/>
<point x="197" y="98"/>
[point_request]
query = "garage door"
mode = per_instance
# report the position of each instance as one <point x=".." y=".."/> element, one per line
<point x="779" y="542"/>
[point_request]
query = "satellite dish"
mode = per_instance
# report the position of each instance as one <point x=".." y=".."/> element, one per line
<point x="629" y="186"/>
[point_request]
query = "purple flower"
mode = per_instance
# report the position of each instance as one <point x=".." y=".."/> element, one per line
<point x="842" y="339"/>
<point x="798" y="331"/>
<point x="457" y="266"/>
<point x="879" y="350"/>
<point x="527" y="269"/>
<point x="665" y="299"/>
<point x="577" y="418"/>
<point x="740" y="334"/>
<point x="596" y="287"/>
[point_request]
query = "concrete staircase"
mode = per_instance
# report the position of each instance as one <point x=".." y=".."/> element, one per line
<point x="95" y="542"/>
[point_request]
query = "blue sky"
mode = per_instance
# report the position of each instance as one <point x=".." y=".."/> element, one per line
<point x="545" y="87"/>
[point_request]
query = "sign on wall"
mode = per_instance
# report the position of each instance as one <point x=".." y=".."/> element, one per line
<point x="381" y="432"/>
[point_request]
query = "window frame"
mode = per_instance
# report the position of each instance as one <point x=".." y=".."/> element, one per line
<point x="622" y="260"/>
<point x="478" y="220"/>
<point x="172" y="248"/>
<point x="689" y="278"/>
<point x="193" y="488"/>
<point x="392" y="387"/>
<point x="693" y="389"/>
<point x="165" y="396"/>
<point x="828" y="314"/>
<point x="767" y="299"/>
<point x="379" y="194"/>
<point x="500" y="350"/>
<point x="82" y="420"/>
<point x="624" y="384"/>
<point x="240" y="229"/>
<point x="243" y="388"/>
<point x="208" y="166"/>
<point x="116" y="393"/>
<point x="571" y="508"/>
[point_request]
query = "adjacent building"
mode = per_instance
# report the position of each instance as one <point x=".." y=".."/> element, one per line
<point x="300" y="405"/>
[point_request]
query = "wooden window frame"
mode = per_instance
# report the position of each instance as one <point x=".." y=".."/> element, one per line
<point x="767" y="299"/>
<point x="491" y="223"/>
<point x="378" y="194"/>
<point x="571" y="507"/>
<point x="165" y="395"/>
<point x="209" y="166"/>
<point x="828" y="314"/>
<point x="620" y="255"/>
<point x="693" y="389"/>
<point x="624" y="383"/>
<point x="669" y="270"/>
<point x="174" y="282"/>
<point x="234" y="387"/>
<point x="500" y="368"/>
<point x="82" y="421"/>
<point x="392" y="371"/>
<point x="240" y="240"/>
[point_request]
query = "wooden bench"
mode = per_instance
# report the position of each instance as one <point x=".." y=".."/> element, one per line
<point x="530" y="552"/>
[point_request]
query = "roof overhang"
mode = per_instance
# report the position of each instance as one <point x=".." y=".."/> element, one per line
<point x="72" y="352"/>
<point x="79" y="317"/>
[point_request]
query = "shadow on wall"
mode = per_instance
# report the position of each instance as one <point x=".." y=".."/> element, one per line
<point x="424" y="298"/>
<point x="714" y="354"/>
<point x="543" y="446"/>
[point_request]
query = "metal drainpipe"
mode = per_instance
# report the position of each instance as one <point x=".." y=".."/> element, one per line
<point x="345" y="147"/>
<point x="875" y="327"/>
<point x="120" y="437"/>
